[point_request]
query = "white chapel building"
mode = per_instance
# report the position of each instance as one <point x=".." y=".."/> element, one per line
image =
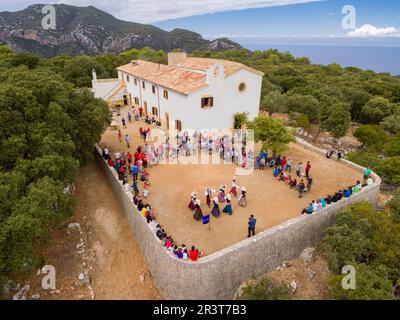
<point x="192" y="93"/>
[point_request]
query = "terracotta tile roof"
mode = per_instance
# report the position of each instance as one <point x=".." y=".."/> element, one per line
<point x="203" y="64"/>
<point x="173" y="78"/>
<point x="179" y="77"/>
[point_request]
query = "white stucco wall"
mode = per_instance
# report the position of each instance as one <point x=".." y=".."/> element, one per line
<point x="228" y="100"/>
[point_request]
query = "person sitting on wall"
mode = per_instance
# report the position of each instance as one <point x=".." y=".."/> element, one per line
<point x="293" y="183"/>
<point x="347" y="193"/>
<point x="328" y="199"/>
<point x="319" y="204"/>
<point x="110" y="162"/>
<point x="105" y="153"/>
<point x="323" y="202"/>
<point x="308" y="210"/>
<point x="335" y="197"/>
<point x="194" y="254"/>
<point x="357" y="187"/>
<point x="369" y="182"/>
<point x="367" y="173"/>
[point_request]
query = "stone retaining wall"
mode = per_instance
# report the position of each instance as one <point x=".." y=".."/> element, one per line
<point x="218" y="275"/>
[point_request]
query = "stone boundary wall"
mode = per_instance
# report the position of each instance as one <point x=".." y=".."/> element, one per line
<point x="218" y="275"/>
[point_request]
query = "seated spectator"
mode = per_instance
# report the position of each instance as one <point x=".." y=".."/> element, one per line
<point x="110" y="162"/>
<point x="314" y="206"/>
<point x="126" y="185"/>
<point x="369" y="182"/>
<point x="160" y="234"/>
<point x="323" y="202"/>
<point x="328" y="199"/>
<point x="293" y="183"/>
<point x="194" y="254"/>
<point x="347" y="193"/>
<point x="357" y="187"/>
<point x="308" y="210"/>
<point x="319" y="205"/>
<point x="140" y="205"/>
<point x="335" y="197"/>
<point x="178" y="252"/>
<point x="185" y="254"/>
<point x="367" y="173"/>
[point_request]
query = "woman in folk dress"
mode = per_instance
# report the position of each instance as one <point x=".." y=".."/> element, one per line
<point x="198" y="214"/>
<point x="208" y="194"/>
<point x="242" y="198"/>
<point x="192" y="203"/>
<point x="228" y="207"/>
<point x="221" y="193"/>
<point x="234" y="187"/>
<point x="215" y="210"/>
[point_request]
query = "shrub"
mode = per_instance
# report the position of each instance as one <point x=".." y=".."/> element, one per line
<point x="266" y="289"/>
<point x="372" y="283"/>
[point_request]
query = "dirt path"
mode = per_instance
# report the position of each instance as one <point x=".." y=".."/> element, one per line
<point x="102" y="245"/>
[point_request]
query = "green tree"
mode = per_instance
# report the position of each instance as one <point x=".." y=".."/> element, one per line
<point x="391" y="124"/>
<point x="372" y="283"/>
<point x="266" y="289"/>
<point x="335" y="119"/>
<point x="394" y="207"/>
<point x="371" y="136"/>
<point x="272" y="133"/>
<point x="305" y="104"/>
<point x="240" y="119"/>
<point x="389" y="170"/>
<point x="79" y="71"/>
<point x="393" y="148"/>
<point x="376" y="110"/>
<point x="274" y="102"/>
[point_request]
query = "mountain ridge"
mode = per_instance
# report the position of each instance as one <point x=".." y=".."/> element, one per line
<point x="90" y="31"/>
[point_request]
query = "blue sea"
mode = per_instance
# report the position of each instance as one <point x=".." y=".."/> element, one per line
<point x="378" y="59"/>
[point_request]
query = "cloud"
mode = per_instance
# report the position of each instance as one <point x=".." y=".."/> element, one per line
<point x="369" y="30"/>
<point x="148" y="11"/>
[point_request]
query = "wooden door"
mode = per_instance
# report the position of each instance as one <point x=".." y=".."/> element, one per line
<point x="167" y="120"/>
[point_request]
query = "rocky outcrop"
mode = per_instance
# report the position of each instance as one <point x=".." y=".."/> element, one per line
<point x="89" y="31"/>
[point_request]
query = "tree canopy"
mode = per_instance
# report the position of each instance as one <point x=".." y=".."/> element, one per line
<point x="271" y="133"/>
<point x="48" y="128"/>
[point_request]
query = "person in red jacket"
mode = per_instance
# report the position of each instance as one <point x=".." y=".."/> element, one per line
<point x="194" y="254"/>
<point x="308" y="168"/>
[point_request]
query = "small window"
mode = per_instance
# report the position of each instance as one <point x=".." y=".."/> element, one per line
<point x="143" y="85"/>
<point x="137" y="101"/>
<point x="207" y="102"/>
<point x="127" y="78"/>
<point x="135" y="81"/>
<point x="242" y="86"/>
<point x="153" y="89"/>
<point x="178" y="125"/>
<point x="166" y="94"/>
<point x="154" y="111"/>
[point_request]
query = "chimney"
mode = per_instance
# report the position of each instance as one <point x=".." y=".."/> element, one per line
<point x="94" y="79"/>
<point x="176" y="57"/>
<point x="94" y="76"/>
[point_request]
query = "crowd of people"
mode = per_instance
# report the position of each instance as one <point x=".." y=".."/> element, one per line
<point x="136" y="164"/>
<point x="344" y="193"/>
<point x="188" y="144"/>
<point x="282" y="168"/>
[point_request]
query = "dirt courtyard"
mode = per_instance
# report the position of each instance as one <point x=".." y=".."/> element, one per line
<point x="271" y="202"/>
